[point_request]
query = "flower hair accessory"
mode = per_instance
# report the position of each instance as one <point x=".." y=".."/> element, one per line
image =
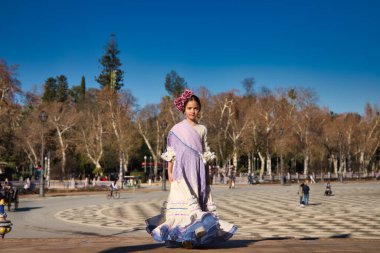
<point x="180" y="101"/>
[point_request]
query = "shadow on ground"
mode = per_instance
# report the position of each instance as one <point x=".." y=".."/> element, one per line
<point x="26" y="209"/>
<point x="229" y="245"/>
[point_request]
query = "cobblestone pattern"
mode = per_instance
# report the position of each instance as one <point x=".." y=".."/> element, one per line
<point x="261" y="212"/>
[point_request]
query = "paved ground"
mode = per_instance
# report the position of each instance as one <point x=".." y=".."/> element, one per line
<point x="143" y="244"/>
<point x="268" y="217"/>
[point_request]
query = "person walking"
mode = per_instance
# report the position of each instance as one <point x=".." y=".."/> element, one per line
<point x="306" y="191"/>
<point x="189" y="216"/>
<point x="232" y="179"/>
<point x="300" y="194"/>
<point x="328" y="191"/>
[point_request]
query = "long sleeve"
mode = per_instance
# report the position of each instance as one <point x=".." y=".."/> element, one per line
<point x="207" y="155"/>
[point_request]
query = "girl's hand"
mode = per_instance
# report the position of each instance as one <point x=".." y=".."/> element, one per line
<point x="171" y="178"/>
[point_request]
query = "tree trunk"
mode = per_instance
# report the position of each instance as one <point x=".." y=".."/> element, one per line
<point x="249" y="163"/>
<point x="63" y="150"/>
<point x="234" y="159"/>
<point x="362" y="163"/>
<point x="335" y="163"/>
<point x="306" y="165"/>
<point x="262" y="168"/>
<point x="269" y="165"/>
<point x="349" y="163"/>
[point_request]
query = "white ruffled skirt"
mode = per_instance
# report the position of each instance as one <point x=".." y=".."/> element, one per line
<point x="182" y="220"/>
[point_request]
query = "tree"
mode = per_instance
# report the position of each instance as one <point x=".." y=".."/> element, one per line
<point x="119" y="114"/>
<point x="50" y="90"/>
<point x="369" y="137"/>
<point x="219" y="116"/>
<point x="111" y="74"/>
<point x="78" y="92"/>
<point x="9" y="85"/>
<point x="268" y="115"/>
<point x="248" y="84"/>
<point x="82" y="89"/>
<point x="28" y="136"/>
<point x="63" y="118"/>
<point x="174" y="84"/>
<point x="62" y="89"/>
<point x="149" y="123"/>
<point x="306" y="124"/>
<point x="9" y="109"/>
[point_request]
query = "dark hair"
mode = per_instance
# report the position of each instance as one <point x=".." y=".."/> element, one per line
<point x="193" y="98"/>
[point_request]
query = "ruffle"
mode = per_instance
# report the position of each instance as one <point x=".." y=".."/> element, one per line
<point x="181" y="220"/>
<point x="208" y="156"/>
<point x="169" y="155"/>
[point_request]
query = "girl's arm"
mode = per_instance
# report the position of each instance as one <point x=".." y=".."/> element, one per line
<point x="170" y="171"/>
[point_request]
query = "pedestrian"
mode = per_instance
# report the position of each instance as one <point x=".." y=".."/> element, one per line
<point x="328" y="191"/>
<point x="306" y="191"/>
<point x="189" y="217"/>
<point x="221" y="178"/>
<point x="300" y="194"/>
<point x="232" y="179"/>
<point x="250" y="178"/>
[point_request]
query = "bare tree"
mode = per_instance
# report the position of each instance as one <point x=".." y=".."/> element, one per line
<point x="370" y="136"/>
<point x="148" y="123"/>
<point x="91" y="129"/>
<point x="63" y="118"/>
<point x="268" y="115"/>
<point x="304" y="122"/>
<point x="119" y="114"/>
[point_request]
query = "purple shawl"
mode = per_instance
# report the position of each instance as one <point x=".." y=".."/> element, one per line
<point x="188" y="164"/>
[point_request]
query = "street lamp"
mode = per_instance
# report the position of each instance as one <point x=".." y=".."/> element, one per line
<point x="164" y="124"/>
<point x="144" y="164"/>
<point x="43" y="118"/>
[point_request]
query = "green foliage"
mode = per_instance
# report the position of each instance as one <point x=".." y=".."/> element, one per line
<point x="56" y="89"/>
<point x="111" y="74"/>
<point x="62" y="89"/>
<point x="174" y="84"/>
<point x="78" y="92"/>
<point x="50" y="90"/>
<point x="82" y="89"/>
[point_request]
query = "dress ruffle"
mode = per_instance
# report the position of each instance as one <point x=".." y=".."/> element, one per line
<point x="208" y="156"/>
<point x="182" y="220"/>
<point x="169" y="155"/>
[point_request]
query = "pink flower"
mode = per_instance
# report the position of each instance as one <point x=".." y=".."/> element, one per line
<point x="180" y="101"/>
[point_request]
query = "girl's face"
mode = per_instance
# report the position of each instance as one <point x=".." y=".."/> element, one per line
<point x="192" y="110"/>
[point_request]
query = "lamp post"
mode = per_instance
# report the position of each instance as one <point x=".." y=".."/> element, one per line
<point x="145" y="164"/>
<point x="164" y="124"/>
<point x="43" y="118"/>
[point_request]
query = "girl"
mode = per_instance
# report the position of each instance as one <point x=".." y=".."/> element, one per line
<point x="189" y="215"/>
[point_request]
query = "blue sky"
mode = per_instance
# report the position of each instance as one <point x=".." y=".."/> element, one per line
<point x="330" y="46"/>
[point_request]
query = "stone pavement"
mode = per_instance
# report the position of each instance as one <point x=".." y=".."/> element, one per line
<point x="260" y="211"/>
<point x="143" y="244"/>
<point x="268" y="217"/>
